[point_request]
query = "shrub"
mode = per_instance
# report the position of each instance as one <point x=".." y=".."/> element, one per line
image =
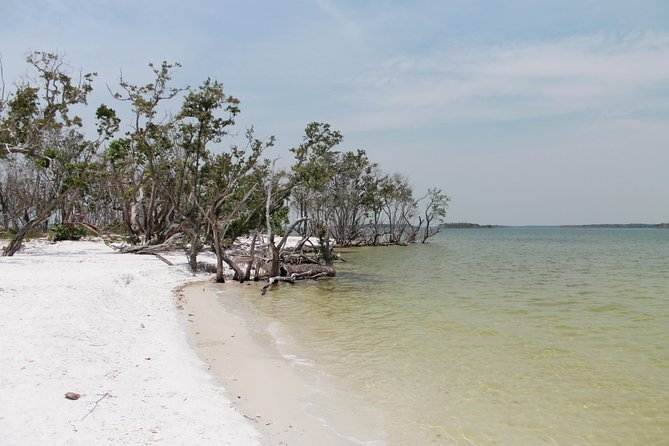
<point x="66" y="231"/>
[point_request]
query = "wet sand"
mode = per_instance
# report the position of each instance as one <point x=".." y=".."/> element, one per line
<point x="262" y="384"/>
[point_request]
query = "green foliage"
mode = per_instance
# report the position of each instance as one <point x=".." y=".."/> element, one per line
<point x="170" y="174"/>
<point x="107" y="121"/>
<point x="66" y="231"/>
<point x="22" y="113"/>
<point x="117" y="152"/>
<point x="145" y="98"/>
<point x="435" y="209"/>
<point x="59" y="89"/>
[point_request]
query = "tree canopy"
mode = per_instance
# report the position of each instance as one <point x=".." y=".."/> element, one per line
<point x="155" y="175"/>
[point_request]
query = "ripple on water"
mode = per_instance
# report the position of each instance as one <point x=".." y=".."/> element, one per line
<point x="502" y="337"/>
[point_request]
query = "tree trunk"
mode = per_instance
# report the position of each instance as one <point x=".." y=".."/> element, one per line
<point x="222" y="256"/>
<point x="5" y="212"/>
<point x="220" y="272"/>
<point x="427" y="234"/>
<point x="17" y="241"/>
<point x="239" y="274"/>
<point x="193" y="251"/>
<point x="326" y="252"/>
<point x="276" y="264"/>
<point x="218" y="249"/>
<point x="127" y="221"/>
<point x="252" y="253"/>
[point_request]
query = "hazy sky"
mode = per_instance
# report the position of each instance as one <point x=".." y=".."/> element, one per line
<point x="525" y="112"/>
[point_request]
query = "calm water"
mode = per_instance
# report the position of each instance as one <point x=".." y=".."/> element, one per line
<point x="486" y="337"/>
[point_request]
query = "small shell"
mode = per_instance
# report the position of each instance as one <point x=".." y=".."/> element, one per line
<point x="72" y="396"/>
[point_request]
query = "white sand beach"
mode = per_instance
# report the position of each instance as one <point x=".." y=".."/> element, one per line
<point x="78" y="317"/>
<point x="154" y="360"/>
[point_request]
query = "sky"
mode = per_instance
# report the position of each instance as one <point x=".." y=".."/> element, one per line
<point x="525" y="112"/>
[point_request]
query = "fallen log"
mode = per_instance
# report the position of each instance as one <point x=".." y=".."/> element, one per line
<point x="312" y="269"/>
<point x="156" y="255"/>
<point x="147" y="249"/>
<point x="299" y="272"/>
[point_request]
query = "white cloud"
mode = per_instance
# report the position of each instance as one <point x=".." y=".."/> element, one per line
<point x="600" y="73"/>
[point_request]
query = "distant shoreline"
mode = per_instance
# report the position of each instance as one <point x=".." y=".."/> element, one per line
<point x="588" y="226"/>
<point x="466" y="226"/>
<point x="621" y="226"/>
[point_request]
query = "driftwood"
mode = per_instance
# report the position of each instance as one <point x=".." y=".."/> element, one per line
<point x="151" y="247"/>
<point x="158" y="256"/>
<point x="153" y="250"/>
<point x="207" y="267"/>
<point x="297" y="259"/>
<point x="295" y="265"/>
<point x="272" y="280"/>
<point x="89" y="227"/>
<point x="300" y="272"/>
<point x="307" y="271"/>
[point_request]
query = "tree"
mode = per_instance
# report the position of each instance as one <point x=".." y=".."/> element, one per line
<point x="313" y="170"/>
<point x="167" y="175"/>
<point x="435" y="209"/>
<point x="374" y="209"/>
<point x="398" y="205"/>
<point x="37" y="123"/>
<point x="234" y="202"/>
<point x="145" y="158"/>
<point x="349" y="197"/>
<point x="198" y="125"/>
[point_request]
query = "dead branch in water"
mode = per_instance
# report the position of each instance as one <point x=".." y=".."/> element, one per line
<point x="272" y="280"/>
<point x="300" y="272"/>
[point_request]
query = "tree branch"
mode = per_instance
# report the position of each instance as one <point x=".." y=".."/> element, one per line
<point x="7" y="148"/>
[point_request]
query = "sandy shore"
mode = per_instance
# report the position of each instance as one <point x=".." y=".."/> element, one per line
<point x="151" y="365"/>
<point x="262" y="384"/>
<point x="78" y="317"/>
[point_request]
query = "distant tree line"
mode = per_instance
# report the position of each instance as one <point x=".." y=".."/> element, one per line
<point x="166" y="175"/>
<point x="463" y="225"/>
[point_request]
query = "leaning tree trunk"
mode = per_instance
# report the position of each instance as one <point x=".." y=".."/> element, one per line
<point x="239" y="274"/>
<point x="326" y="252"/>
<point x="275" y="250"/>
<point x="222" y="256"/>
<point x="276" y="261"/>
<point x="193" y="251"/>
<point x="252" y="254"/>
<point x="220" y="252"/>
<point x="17" y="241"/>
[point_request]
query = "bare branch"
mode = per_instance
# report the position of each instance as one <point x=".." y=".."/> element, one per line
<point x="289" y="230"/>
<point x="105" y="395"/>
<point x="2" y="86"/>
<point x="6" y="149"/>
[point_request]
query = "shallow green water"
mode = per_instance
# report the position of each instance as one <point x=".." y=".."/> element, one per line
<point x="511" y="336"/>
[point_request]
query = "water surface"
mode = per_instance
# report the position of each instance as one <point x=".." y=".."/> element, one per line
<point x="512" y="336"/>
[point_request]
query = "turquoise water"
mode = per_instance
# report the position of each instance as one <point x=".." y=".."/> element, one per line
<point x="510" y="336"/>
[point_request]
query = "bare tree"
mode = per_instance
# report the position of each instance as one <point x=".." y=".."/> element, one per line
<point x="435" y="209"/>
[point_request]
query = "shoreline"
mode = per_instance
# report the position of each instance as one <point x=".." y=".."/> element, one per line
<point x="154" y="354"/>
<point x="79" y="317"/>
<point x="262" y="384"/>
